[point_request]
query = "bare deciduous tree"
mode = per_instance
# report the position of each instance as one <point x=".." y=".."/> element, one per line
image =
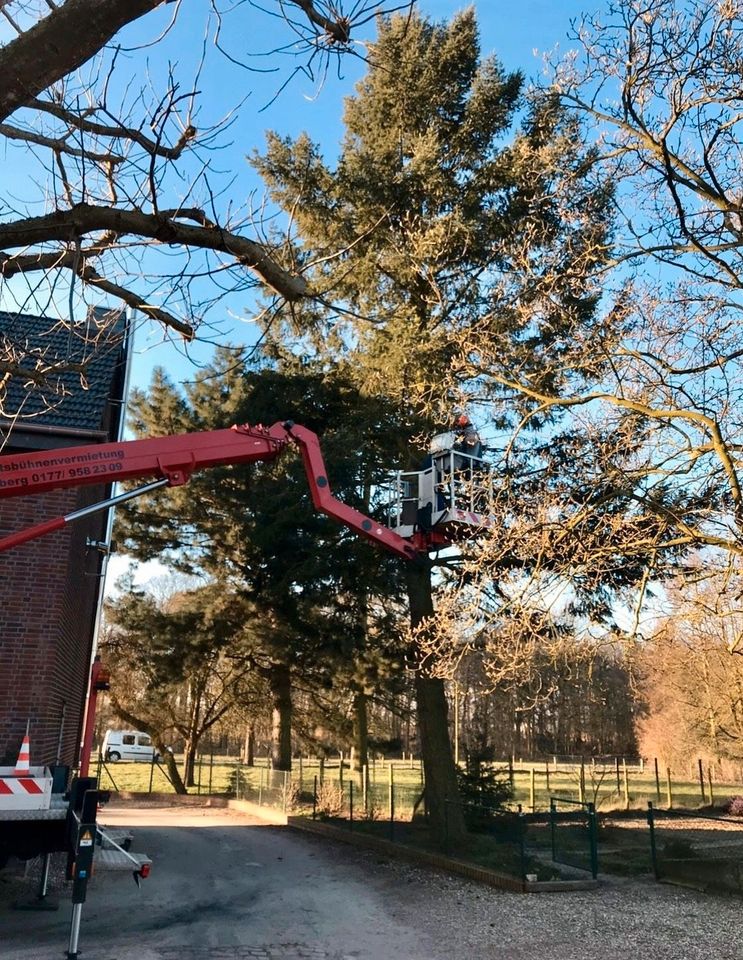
<point x="660" y="84"/>
<point x="124" y="195"/>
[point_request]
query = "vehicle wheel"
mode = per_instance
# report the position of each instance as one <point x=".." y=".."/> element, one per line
<point x="113" y="756"/>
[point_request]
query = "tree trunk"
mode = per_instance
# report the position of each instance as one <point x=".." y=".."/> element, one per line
<point x="249" y="749"/>
<point x="175" y="777"/>
<point x="195" y="691"/>
<point x="189" y="762"/>
<point x="281" y="725"/>
<point x="360" y="732"/>
<point x="446" y="816"/>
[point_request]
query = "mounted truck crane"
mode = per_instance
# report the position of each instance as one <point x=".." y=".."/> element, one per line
<point x="46" y="821"/>
<point x="171" y="460"/>
<point x="426" y="512"/>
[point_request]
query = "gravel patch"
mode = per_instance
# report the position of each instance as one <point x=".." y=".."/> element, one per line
<point x="620" y="919"/>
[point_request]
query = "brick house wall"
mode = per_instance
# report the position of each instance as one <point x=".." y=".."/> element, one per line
<point x="49" y="596"/>
<point x="50" y="587"/>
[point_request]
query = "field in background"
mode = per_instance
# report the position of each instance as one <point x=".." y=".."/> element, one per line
<point x="631" y="789"/>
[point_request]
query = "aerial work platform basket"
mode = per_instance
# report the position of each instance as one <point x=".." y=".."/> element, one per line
<point x="453" y="493"/>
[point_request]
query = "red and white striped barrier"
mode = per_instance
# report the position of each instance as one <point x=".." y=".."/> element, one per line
<point x="30" y="792"/>
<point x="20" y="785"/>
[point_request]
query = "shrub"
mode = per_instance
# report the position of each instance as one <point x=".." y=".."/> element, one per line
<point x="238" y="783"/>
<point x="485" y="791"/>
<point x="734" y="807"/>
<point x="329" y="799"/>
<point x="297" y="798"/>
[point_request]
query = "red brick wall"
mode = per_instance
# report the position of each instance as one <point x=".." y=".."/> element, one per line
<point x="48" y="591"/>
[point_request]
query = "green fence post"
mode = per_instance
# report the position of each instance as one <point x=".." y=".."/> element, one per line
<point x="547" y="775"/>
<point x="619" y="785"/>
<point x="350" y="804"/>
<point x="152" y="771"/>
<point x="447" y="851"/>
<point x="340" y="770"/>
<point x="314" y="799"/>
<point x="522" y="843"/>
<point x="365" y="788"/>
<point x="198" y="784"/>
<point x="532" y="790"/>
<point x="322" y="769"/>
<point x="653" y="851"/>
<point x="392" y="801"/>
<point x="593" y="835"/>
<point x="211" y="770"/>
<point x="237" y="777"/>
<point x="701" y="781"/>
<point x="553" y="839"/>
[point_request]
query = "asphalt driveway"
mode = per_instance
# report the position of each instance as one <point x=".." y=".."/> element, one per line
<point x="224" y="887"/>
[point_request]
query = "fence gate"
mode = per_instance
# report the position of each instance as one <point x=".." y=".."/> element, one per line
<point x="574" y="834"/>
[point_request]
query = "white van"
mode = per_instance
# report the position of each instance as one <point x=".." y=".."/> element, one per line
<point x="128" y="745"/>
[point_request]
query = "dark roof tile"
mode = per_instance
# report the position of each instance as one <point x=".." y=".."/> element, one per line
<point x="68" y="399"/>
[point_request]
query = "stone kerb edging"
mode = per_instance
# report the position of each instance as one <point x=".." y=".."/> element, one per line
<point x="171" y="799"/>
<point x="268" y="814"/>
<point x="449" y="864"/>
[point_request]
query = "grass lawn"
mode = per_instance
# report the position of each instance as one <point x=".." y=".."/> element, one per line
<point x="623" y="838"/>
<point x="217" y="775"/>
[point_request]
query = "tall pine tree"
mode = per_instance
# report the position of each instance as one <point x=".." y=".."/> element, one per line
<point x="457" y="222"/>
<point x="306" y="579"/>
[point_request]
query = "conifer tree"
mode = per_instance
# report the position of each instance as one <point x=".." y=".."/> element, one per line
<point x="457" y="217"/>
<point x="305" y="579"/>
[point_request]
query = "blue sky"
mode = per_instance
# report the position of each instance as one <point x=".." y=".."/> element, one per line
<point x="516" y="33"/>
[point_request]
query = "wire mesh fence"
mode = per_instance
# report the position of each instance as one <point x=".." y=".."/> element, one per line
<point x="497" y="839"/>
<point x="696" y="849"/>
<point x="387" y="799"/>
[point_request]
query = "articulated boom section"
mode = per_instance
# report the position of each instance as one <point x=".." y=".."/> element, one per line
<point x="170" y="461"/>
<point x="171" y="458"/>
<point x="325" y="502"/>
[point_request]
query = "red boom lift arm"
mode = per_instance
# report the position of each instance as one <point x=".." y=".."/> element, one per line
<point x="170" y="461"/>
